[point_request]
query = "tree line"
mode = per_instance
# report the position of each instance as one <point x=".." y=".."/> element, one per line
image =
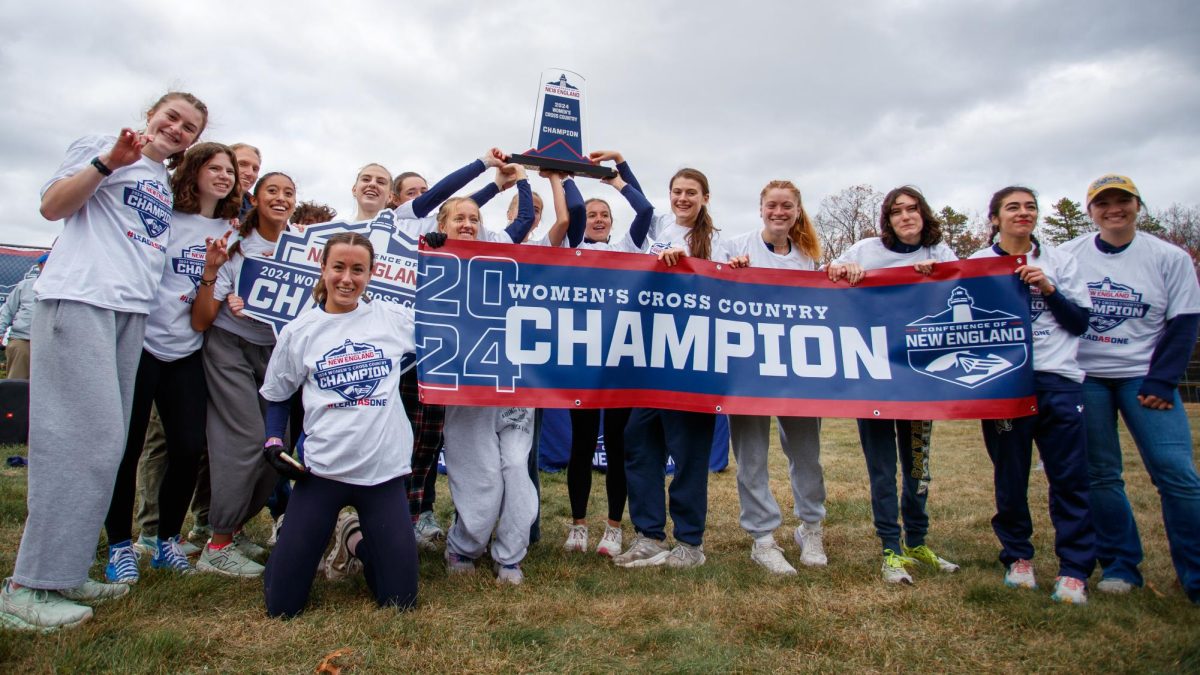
<point x="853" y="214"/>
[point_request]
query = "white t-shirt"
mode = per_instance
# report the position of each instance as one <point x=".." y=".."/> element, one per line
<point x="873" y="255"/>
<point x="349" y="366"/>
<point x="666" y="234"/>
<point x="752" y="244"/>
<point x="169" y="334"/>
<point x="111" y="251"/>
<point x="251" y="330"/>
<point x="407" y="221"/>
<point x="1054" y="349"/>
<point x="1134" y="293"/>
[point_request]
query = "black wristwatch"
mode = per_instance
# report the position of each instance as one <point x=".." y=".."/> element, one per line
<point x="104" y="170"/>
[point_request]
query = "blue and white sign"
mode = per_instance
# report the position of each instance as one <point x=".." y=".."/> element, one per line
<point x="277" y="290"/>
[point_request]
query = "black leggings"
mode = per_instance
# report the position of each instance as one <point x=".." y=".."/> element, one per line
<point x="178" y="389"/>
<point x="388" y="549"/>
<point x="585" y="424"/>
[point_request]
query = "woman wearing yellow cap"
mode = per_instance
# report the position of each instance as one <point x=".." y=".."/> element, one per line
<point x="1141" y="332"/>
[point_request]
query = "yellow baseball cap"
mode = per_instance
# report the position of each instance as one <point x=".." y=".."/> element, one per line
<point x="1111" y="181"/>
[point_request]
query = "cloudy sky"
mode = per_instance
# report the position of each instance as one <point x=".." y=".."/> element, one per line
<point x="958" y="97"/>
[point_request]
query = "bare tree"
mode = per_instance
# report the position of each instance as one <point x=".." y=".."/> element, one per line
<point x="847" y="217"/>
<point x="1181" y="226"/>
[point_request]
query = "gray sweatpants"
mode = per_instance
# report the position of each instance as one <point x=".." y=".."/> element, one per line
<point x="800" y="438"/>
<point x="80" y="396"/>
<point x="240" y="479"/>
<point x="487" y="462"/>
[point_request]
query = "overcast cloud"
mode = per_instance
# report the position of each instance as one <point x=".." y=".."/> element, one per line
<point x="955" y="96"/>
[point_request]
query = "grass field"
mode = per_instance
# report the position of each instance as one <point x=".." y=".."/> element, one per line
<point x="578" y="613"/>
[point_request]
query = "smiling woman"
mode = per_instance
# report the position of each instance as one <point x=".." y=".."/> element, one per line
<point x="95" y="292"/>
<point x="170" y="373"/>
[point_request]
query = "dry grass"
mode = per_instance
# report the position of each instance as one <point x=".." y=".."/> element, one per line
<point x="579" y="614"/>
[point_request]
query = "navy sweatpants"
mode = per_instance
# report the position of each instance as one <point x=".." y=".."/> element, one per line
<point x="687" y="437"/>
<point x="1058" y="429"/>
<point x="883" y="442"/>
<point x="388" y="549"/>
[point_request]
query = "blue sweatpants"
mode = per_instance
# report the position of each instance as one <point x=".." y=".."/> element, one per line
<point x="388" y="549"/>
<point x="687" y="437"/>
<point x="1058" y="428"/>
<point x="882" y="442"/>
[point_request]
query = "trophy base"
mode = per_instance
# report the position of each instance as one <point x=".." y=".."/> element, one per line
<point x="576" y="168"/>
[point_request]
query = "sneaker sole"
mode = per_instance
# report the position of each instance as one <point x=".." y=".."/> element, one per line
<point x="607" y="552"/>
<point x="823" y="562"/>
<point x="14" y="622"/>
<point x="1020" y="586"/>
<point x="1067" y="601"/>
<point x="204" y="567"/>
<point x="653" y="561"/>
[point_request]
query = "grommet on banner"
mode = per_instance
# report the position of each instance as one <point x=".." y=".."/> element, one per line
<point x="578" y="253"/>
<point x="718" y="266"/>
<point x="877" y="413"/>
<point x="577" y="402"/>
<point x="718" y="408"/>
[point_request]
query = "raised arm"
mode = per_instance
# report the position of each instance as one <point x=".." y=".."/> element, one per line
<point x="445" y="188"/>
<point x="68" y="195"/>
<point x="205" y="306"/>
<point x="623" y="169"/>
<point x="562" y="215"/>
<point x="577" y="213"/>
<point x="642" y="208"/>
<point x="519" y="228"/>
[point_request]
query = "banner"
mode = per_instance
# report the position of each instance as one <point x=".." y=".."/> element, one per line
<point x="561" y="328"/>
<point x="276" y="290"/>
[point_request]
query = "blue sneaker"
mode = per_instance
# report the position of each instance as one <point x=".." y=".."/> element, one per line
<point x="170" y="556"/>
<point x="122" y="565"/>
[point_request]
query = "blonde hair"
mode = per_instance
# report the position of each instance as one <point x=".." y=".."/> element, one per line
<point x="802" y="232"/>
<point x="443" y="213"/>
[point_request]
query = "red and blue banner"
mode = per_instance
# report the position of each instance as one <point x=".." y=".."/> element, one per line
<point x="561" y="328"/>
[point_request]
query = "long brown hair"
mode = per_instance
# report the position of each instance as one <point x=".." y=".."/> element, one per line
<point x="802" y="232"/>
<point x="185" y="181"/>
<point x="699" y="238"/>
<point x="250" y="223"/>
<point x="349" y="238"/>
<point x="174" y="160"/>
<point x="931" y="227"/>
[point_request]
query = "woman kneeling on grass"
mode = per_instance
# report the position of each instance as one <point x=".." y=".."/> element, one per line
<point x="1059" y="305"/>
<point x="345" y="355"/>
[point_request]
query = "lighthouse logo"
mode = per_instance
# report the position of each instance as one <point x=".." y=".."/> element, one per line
<point x="353" y="370"/>
<point x="966" y="345"/>
<point x="1112" y="304"/>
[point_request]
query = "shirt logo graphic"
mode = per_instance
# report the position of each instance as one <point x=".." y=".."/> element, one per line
<point x="190" y="263"/>
<point x="1112" y="304"/>
<point x="966" y="345"/>
<point x="353" y="370"/>
<point x="152" y="201"/>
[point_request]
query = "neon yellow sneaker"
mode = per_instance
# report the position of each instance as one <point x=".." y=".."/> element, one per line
<point x="893" y="568"/>
<point x="924" y="555"/>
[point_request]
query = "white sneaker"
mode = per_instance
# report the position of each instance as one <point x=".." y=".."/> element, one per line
<point x="428" y="532"/>
<point x="1114" y="585"/>
<point x="340" y="562"/>
<point x="274" y="538"/>
<point x="1020" y="575"/>
<point x="577" y="538"/>
<point x="808" y="537"/>
<point x="643" y="552"/>
<point x="246" y="546"/>
<point x="145" y="545"/>
<point x="610" y="543"/>
<point x="33" y="609"/>
<point x="229" y="561"/>
<point x="684" y="556"/>
<point x="509" y="574"/>
<point x="769" y="555"/>
<point x="94" y="591"/>
<point x="458" y="564"/>
<point x="893" y="568"/>
<point x="1070" y="591"/>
